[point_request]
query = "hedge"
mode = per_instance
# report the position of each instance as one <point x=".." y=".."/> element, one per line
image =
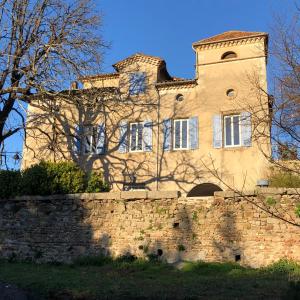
<point x="48" y="178"/>
<point x="9" y="183"/>
<point x="284" y="179"/>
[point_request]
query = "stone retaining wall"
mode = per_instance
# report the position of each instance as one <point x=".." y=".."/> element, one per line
<point x="226" y="227"/>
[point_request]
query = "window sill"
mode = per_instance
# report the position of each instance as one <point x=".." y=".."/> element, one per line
<point x="232" y="148"/>
<point x="136" y="151"/>
<point x="179" y="150"/>
<point x="92" y="154"/>
<point x="183" y="149"/>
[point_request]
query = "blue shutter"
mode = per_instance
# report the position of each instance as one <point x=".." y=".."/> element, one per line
<point x="147" y="135"/>
<point x="217" y="131"/>
<point x="123" y="139"/>
<point x="193" y="133"/>
<point x="100" y="144"/>
<point x="78" y="139"/>
<point x="167" y="132"/>
<point x="246" y="129"/>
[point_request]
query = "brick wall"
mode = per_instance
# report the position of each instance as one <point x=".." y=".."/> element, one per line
<point x="225" y="227"/>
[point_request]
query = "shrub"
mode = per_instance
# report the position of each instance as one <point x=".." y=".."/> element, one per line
<point x="284" y="266"/>
<point x="48" y="178"/>
<point x="9" y="183"/>
<point x="66" y="178"/>
<point x="35" y="181"/>
<point x="270" y="201"/>
<point x="284" y="179"/>
<point x="96" y="184"/>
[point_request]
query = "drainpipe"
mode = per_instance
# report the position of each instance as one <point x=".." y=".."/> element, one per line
<point x="196" y="67"/>
<point x="158" y="138"/>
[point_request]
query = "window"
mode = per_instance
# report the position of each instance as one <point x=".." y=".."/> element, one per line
<point x="229" y="54"/>
<point x="181" y="134"/>
<point x="136" y="136"/>
<point x="232" y="131"/>
<point x="231" y="93"/>
<point x="90" y="139"/>
<point x="179" y="97"/>
<point x="137" y="83"/>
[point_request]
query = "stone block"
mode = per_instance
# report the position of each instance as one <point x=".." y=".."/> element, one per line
<point x="163" y="194"/>
<point x="293" y="191"/>
<point x="225" y="194"/>
<point x="132" y="195"/>
<point x="108" y="196"/>
<point x="269" y="190"/>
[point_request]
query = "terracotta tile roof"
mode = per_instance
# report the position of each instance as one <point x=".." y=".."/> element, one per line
<point x="97" y="76"/>
<point x="176" y="82"/>
<point x="229" y="35"/>
<point x="138" y="57"/>
<point x="148" y="56"/>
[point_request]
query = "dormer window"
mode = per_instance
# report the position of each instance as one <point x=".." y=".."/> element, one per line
<point x="228" y="55"/>
<point x="137" y="83"/>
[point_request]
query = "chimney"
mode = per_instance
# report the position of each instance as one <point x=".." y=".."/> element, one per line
<point x="74" y="85"/>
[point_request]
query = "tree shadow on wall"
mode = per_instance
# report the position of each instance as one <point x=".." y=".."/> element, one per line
<point x="227" y="240"/>
<point x="53" y="132"/>
<point x="60" y="228"/>
<point x="48" y="229"/>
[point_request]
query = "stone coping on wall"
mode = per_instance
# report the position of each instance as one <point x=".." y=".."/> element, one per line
<point x="122" y="195"/>
<point x="134" y="195"/>
<point x="259" y="191"/>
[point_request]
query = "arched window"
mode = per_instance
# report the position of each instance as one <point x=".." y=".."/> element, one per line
<point x="229" y="54"/>
<point x="204" y="189"/>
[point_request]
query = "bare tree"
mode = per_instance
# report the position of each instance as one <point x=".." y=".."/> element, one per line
<point x="279" y="108"/>
<point x="43" y="45"/>
<point x="286" y="99"/>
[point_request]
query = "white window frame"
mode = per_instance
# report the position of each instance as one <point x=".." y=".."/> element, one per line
<point x="137" y="136"/>
<point x="187" y="135"/>
<point x="232" y="131"/>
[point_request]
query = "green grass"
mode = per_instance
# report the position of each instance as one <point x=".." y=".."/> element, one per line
<point x="126" y="278"/>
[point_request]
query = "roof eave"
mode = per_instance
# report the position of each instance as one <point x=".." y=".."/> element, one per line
<point x="99" y="76"/>
<point x="199" y="43"/>
<point x="176" y="83"/>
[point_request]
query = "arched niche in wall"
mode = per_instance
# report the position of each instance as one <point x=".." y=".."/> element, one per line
<point x="204" y="189"/>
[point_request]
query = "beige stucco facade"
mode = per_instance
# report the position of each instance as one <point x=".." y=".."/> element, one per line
<point x="222" y="87"/>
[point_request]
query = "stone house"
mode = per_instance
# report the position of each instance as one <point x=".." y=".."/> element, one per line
<point x="158" y="132"/>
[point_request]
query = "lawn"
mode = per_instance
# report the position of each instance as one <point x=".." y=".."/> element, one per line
<point x="123" y="279"/>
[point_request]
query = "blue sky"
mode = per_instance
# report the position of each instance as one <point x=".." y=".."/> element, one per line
<point x="167" y="28"/>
